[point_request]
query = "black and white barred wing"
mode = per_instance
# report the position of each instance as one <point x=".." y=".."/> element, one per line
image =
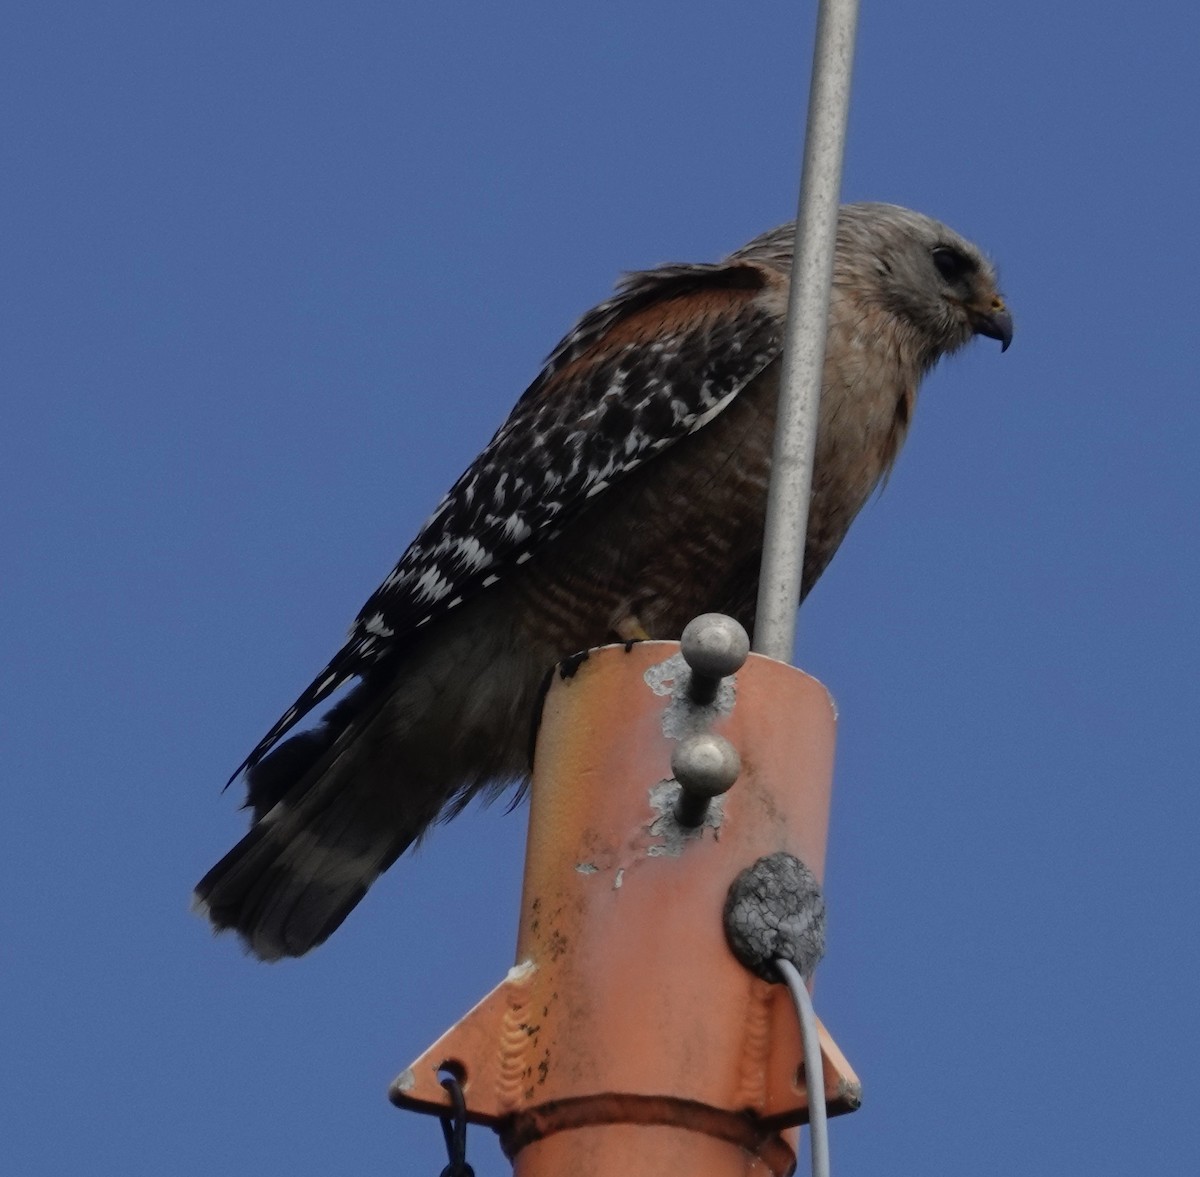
<point x="652" y="364"/>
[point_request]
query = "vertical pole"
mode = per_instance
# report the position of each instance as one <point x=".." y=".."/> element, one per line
<point x="807" y="323"/>
<point x="628" y="1041"/>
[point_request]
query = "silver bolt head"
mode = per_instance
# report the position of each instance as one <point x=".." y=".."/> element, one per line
<point x="714" y="645"/>
<point x="705" y="765"/>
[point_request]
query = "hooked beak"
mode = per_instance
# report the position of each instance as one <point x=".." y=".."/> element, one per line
<point x="995" y="323"/>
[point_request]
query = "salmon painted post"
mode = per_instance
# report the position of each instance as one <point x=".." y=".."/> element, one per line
<point x="627" y="1037"/>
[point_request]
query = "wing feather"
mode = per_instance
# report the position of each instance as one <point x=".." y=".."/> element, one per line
<point x="649" y="366"/>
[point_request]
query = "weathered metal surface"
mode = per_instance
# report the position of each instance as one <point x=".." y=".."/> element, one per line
<point x="625" y="1001"/>
<point x="631" y="1142"/>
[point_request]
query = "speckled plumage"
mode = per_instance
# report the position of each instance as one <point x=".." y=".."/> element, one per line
<point x="624" y="494"/>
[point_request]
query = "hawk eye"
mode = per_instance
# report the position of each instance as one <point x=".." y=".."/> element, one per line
<point x="951" y="264"/>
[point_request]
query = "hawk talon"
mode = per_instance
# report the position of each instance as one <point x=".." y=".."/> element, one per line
<point x="629" y="630"/>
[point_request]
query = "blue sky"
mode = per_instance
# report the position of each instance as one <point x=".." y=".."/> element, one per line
<point x="271" y="275"/>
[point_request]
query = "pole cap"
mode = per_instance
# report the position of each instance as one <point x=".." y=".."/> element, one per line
<point x="714" y="645"/>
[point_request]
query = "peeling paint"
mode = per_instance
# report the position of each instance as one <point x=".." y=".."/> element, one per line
<point x="586" y="868"/>
<point x="683" y="717"/>
<point x="674" y="836"/>
<point x="521" y="972"/>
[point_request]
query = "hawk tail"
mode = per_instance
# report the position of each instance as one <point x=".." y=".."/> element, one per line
<point x="316" y="845"/>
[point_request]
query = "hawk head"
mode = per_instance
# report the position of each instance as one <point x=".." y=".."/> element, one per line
<point x="924" y="273"/>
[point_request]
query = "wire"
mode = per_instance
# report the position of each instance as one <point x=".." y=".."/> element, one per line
<point x="814" y="1071"/>
<point x="454" y="1129"/>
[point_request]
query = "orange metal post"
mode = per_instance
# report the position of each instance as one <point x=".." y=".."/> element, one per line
<point x="627" y="1040"/>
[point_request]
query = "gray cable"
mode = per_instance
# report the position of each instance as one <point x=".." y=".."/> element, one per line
<point x="814" y="1071"/>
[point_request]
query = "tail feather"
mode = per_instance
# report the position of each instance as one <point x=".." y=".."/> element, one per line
<point x="335" y="806"/>
<point x="296" y="875"/>
<point x="317" y="843"/>
<point x="286" y="770"/>
<point x="314" y="880"/>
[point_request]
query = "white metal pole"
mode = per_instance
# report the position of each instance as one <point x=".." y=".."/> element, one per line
<point x="807" y="322"/>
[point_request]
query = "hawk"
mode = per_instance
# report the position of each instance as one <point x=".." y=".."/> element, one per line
<point x="624" y="495"/>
